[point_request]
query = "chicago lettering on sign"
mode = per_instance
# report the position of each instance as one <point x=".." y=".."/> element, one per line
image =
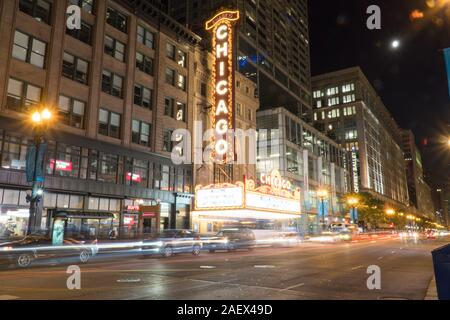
<point x="221" y="26"/>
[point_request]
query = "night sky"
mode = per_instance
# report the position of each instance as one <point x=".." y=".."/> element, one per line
<point x="411" y="79"/>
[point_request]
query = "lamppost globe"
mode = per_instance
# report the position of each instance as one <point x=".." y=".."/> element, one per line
<point x="46" y="114"/>
<point x="36" y="117"/>
<point x="390" y="212"/>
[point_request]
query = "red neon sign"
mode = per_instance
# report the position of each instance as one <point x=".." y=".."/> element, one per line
<point x="133" y="177"/>
<point x="61" y="165"/>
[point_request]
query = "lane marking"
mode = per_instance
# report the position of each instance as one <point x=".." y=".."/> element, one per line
<point x="8" y="297"/>
<point x="380" y="258"/>
<point x="207" y="267"/>
<point x="129" y="280"/>
<point x="292" y="287"/>
<point x="357" y="267"/>
<point x="264" y="266"/>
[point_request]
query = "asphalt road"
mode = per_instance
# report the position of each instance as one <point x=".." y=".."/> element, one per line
<point x="310" y="271"/>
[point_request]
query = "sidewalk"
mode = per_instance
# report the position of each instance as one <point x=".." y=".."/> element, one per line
<point x="432" y="291"/>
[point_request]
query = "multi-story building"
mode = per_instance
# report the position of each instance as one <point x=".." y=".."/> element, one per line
<point x="308" y="159"/>
<point x="348" y="109"/>
<point x="419" y="191"/>
<point x="246" y="107"/>
<point x="441" y="198"/>
<point x="118" y="87"/>
<point x="272" y="45"/>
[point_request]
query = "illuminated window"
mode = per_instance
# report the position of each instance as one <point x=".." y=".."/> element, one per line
<point x="332" y="91"/>
<point x="348" y="87"/>
<point x="349" y="98"/>
<point x="182" y="59"/>
<point x="318" y="94"/>
<point x="333" y="101"/>
<point x="181" y="112"/>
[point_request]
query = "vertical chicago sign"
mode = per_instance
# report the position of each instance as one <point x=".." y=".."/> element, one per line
<point x="222" y="27"/>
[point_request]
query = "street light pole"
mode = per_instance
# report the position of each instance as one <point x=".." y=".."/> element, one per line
<point x="39" y="119"/>
<point x="322" y="194"/>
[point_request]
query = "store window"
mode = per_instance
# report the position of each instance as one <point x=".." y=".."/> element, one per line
<point x="63" y="160"/>
<point x="14" y="153"/>
<point x="136" y="172"/>
<point x="108" y="168"/>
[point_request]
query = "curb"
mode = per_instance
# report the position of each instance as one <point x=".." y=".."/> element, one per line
<point x="432" y="290"/>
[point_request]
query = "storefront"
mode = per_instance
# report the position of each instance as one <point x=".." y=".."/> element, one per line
<point x="271" y="206"/>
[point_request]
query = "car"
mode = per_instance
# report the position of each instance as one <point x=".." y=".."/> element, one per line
<point x="232" y="239"/>
<point x="171" y="242"/>
<point x="23" y="252"/>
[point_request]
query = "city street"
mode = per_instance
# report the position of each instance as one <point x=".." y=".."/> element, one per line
<point x="309" y="271"/>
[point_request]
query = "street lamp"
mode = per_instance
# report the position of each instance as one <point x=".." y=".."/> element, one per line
<point x="40" y="119"/>
<point x="353" y="203"/>
<point x="322" y="194"/>
<point x="390" y="212"/>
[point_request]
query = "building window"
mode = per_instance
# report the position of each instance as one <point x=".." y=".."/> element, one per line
<point x="249" y="114"/>
<point x="144" y="63"/>
<point x="170" y="51"/>
<point x="332" y="114"/>
<point x="75" y="68"/>
<point x="332" y="91"/>
<point x="351" y="135"/>
<point x="319" y="104"/>
<point x="146" y="37"/>
<point x="71" y="112"/>
<point x="348" y="87"/>
<point x="86" y="5"/>
<point x="38" y="9"/>
<point x="170" y="76"/>
<point x="181" y="112"/>
<point x="349" y="111"/>
<point x="203" y="89"/>
<point x="143" y="96"/>
<point x="29" y="49"/>
<point x="349" y="98"/>
<point x="333" y="101"/>
<point x="181" y="83"/>
<point x="140" y="133"/>
<point x="107" y="170"/>
<point x="136" y="172"/>
<point x="318" y="94"/>
<point x="21" y="96"/>
<point x="167" y="140"/>
<point x="116" y="19"/>
<point x="182" y="59"/>
<point x="84" y="34"/>
<point x="112" y="84"/>
<point x="14" y="153"/>
<point x="115" y="48"/>
<point x="239" y="109"/>
<point x="169" y="104"/>
<point x="109" y="124"/>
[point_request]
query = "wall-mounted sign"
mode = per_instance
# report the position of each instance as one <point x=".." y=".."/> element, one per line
<point x="221" y="26"/>
<point x="266" y="202"/>
<point x="355" y="172"/>
<point x="220" y="198"/>
<point x="275" y="180"/>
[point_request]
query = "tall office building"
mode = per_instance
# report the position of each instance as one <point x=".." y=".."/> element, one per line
<point x="272" y="45"/>
<point x="419" y="191"/>
<point x="348" y="109"/>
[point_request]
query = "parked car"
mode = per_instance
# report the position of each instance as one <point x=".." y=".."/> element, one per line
<point x="25" y="251"/>
<point x="232" y="239"/>
<point x="171" y="242"/>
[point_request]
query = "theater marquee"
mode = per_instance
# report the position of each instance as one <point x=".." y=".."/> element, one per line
<point x="221" y="26"/>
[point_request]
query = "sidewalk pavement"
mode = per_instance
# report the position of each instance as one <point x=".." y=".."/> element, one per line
<point x="432" y="290"/>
